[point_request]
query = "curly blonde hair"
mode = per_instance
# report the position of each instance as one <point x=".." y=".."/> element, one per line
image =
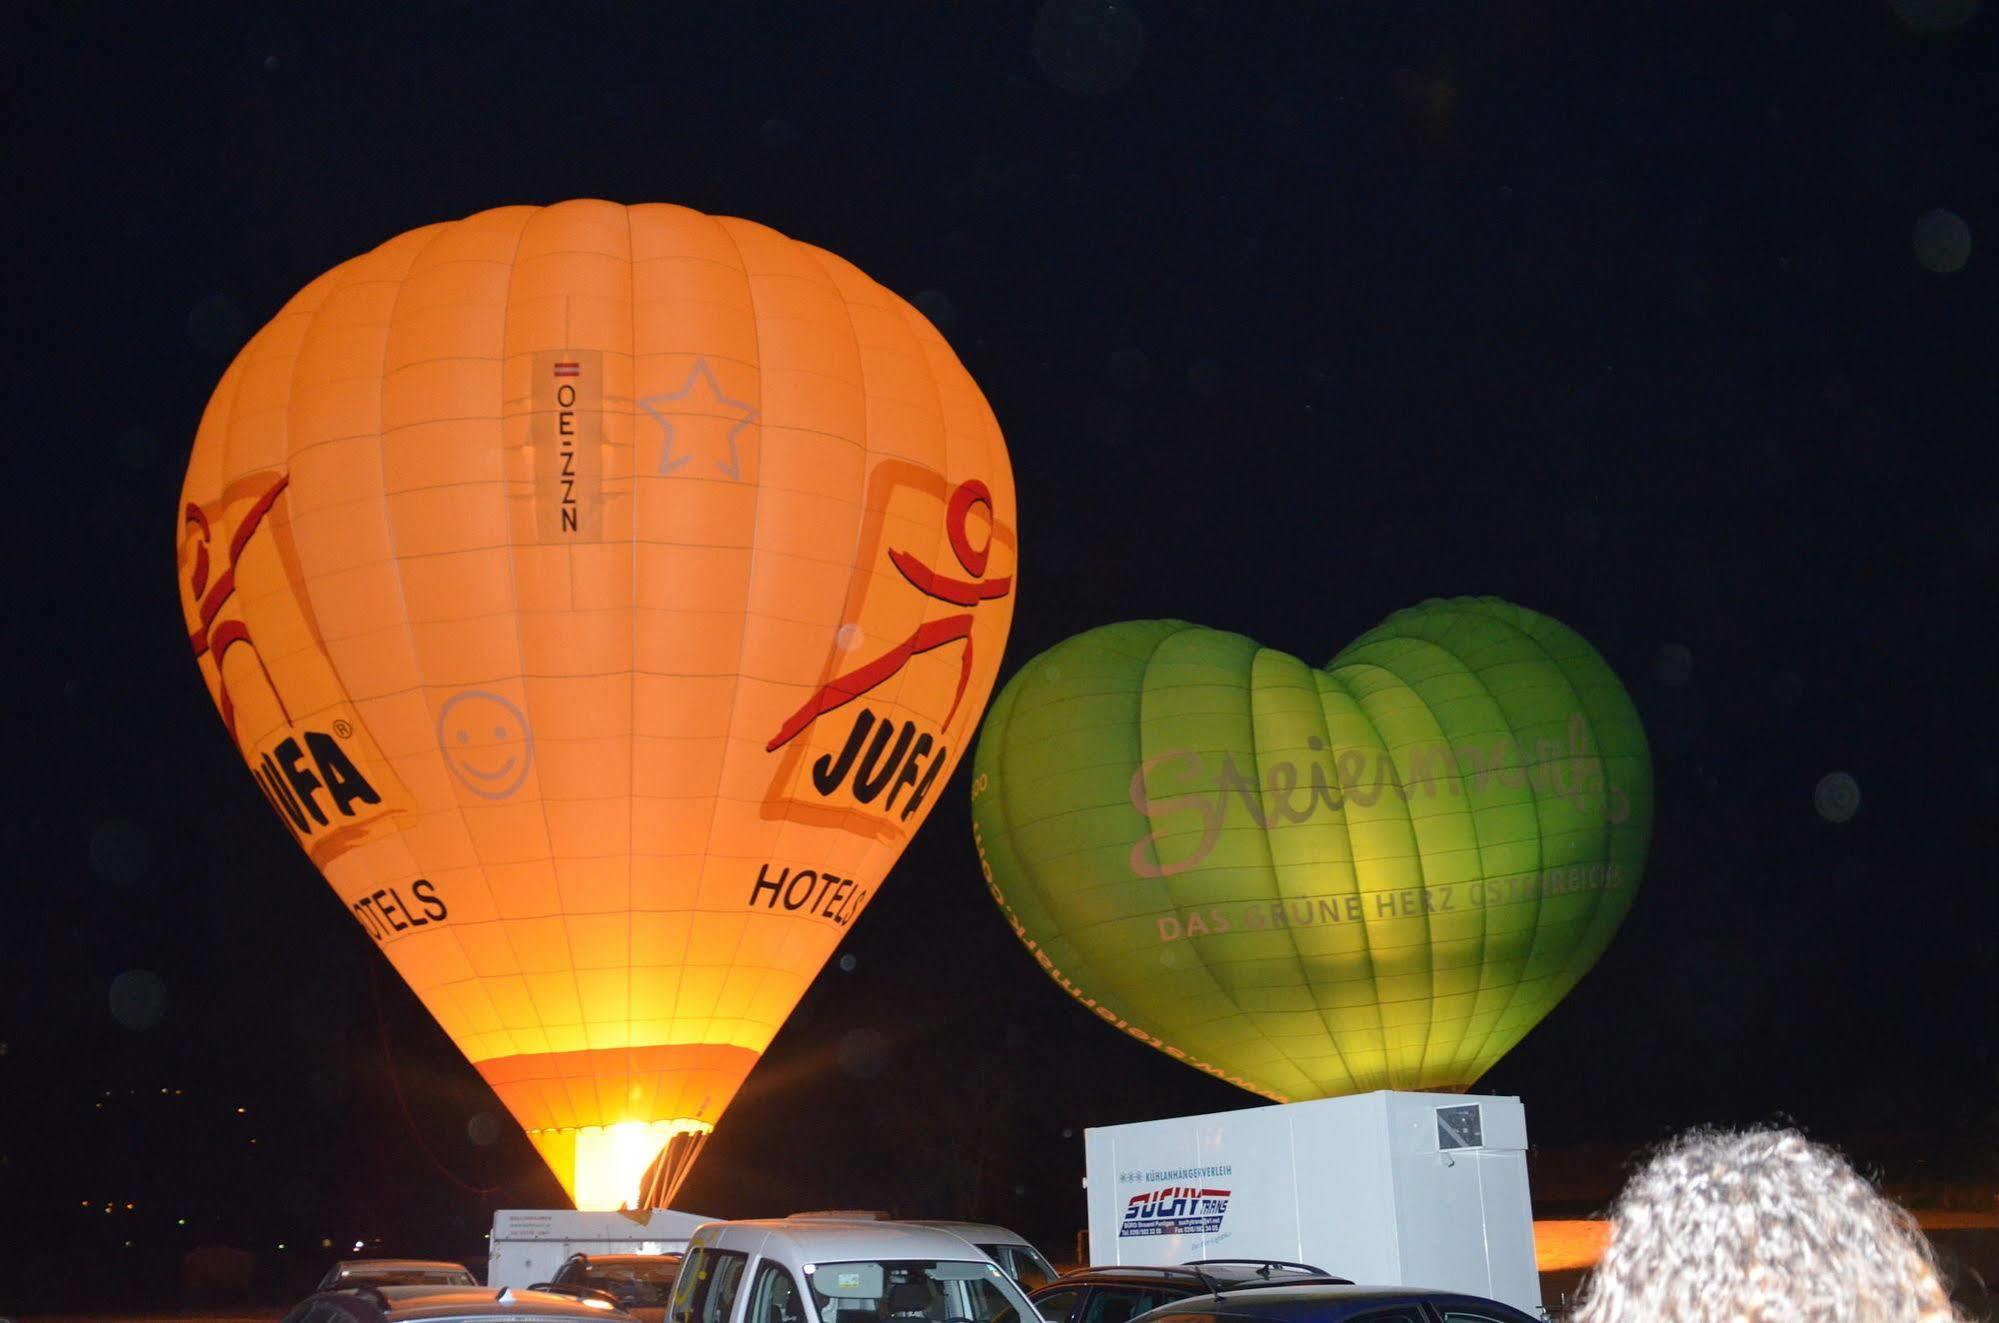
<point x="1760" y="1226"/>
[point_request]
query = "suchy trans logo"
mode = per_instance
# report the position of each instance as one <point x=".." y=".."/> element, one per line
<point x="1175" y="1210"/>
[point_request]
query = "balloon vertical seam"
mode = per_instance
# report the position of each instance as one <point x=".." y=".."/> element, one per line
<point x="1222" y="992"/>
<point x="632" y="643"/>
<point x="513" y="578"/>
<point x="750" y="587"/>
<point x="1297" y="951"/>
<point x="1459" y="607"/>
<point x="1276" y="872"/>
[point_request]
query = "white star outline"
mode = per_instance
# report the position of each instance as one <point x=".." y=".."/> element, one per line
<point x="668" y="461"/>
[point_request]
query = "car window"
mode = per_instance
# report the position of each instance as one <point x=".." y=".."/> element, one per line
<point x="706" y="1289"/>
<point x="774" y="1297"/>
<point x="645" y="1283"/>
<point x="1116" y="1304"/>
<point x="1460" y="1314"/>
<point x="1022" y="1264"/>
<point x="913" y="1291"/>
<point x="1056" y="1306"/>
<point x="1405" y="1314"/>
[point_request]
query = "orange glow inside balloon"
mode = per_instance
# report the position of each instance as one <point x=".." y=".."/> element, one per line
<point x="602" y="596"/>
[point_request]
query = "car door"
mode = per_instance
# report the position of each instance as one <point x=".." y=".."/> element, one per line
<point x="1059" y="1306"/>
<point x="774" y="1296"/>
<point x="1480" y="1311"/>
<point x="709" y="1282"/>
<point x="1409" y="1313"/>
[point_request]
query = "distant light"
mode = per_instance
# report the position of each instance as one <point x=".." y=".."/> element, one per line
<point x="240" y="1111"/>
<point x="357" y="1244"/>
<point x="327" y="1243"/>
<point x="86" y="1203"/>
<point x="1942" y="241"/>
<point x="128" y="1208"/>
<point x="281" y="1244"/>
<point x="1673" y="665"/>
<point x="1934" y="17"/>
<point x="181" y="1222"/>
<point x="1837" y="797"/>
<point x="483" y="1128"/>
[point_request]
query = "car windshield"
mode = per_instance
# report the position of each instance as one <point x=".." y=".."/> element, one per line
<point x="659" y="1272"/>
<point x="409" y="1277"/>
<point x="916" y="1291"/>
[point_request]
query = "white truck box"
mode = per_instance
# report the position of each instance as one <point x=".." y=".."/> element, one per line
<point x="529" y="1244"/>
<point x="1388" y="1188"/>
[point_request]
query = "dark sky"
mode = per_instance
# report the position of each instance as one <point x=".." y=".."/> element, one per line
<point x="1629" y="313"/>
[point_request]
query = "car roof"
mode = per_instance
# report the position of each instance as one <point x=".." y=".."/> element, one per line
<point x="1221" y="1272"/>
<point x="402" y="1265"/>
<point x="831" y="1240"/>
<point x="429" y="1302"/>
<point x="1279" y="1301"/>
<point x="630" y="1258"/>
<point x="970" y="1230"/>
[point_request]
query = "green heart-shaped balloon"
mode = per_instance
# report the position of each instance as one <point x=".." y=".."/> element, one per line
<point x="1317" y="882"/>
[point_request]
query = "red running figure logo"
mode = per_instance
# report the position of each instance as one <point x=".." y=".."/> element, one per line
<point x="211" y="636"/>
<point x="844" y="689"/>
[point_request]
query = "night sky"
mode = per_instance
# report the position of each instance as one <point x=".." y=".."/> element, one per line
<point x="1658" y="319"/>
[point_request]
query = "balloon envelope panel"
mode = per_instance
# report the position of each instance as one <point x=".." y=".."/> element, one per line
<point x="601" y="595"/>
<point x="1313" y="882"/>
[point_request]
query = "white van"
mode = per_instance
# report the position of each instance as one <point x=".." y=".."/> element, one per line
<point x="815" y="1270"/>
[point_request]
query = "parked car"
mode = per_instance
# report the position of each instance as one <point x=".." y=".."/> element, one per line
<point x="829" y="1270"/>
<point x="1118" y="1293"/>
<point x="639" y="1284"/>
<point x="1336" y="1304"/>
<point x="431" y="1304"/>
<point x="396" y="1272"/>
<point x="1009" y="1249"/>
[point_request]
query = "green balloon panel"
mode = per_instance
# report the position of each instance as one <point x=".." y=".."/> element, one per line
<point x="1314" y="882"/>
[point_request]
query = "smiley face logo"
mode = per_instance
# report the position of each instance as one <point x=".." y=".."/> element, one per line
<point x="486" y="740"/>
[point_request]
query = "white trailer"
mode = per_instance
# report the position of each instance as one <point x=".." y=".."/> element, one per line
<point x="1389" y="1189"/>
<point x="529" y="1244"/>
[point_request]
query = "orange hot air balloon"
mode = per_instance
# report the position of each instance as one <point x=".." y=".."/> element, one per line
<point x="602" y="595"/>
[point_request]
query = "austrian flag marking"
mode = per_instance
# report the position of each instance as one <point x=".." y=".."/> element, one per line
<point x="565" y="444"/>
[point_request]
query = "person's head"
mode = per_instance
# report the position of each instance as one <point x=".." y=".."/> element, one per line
<point x="1760" y="1226"/>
